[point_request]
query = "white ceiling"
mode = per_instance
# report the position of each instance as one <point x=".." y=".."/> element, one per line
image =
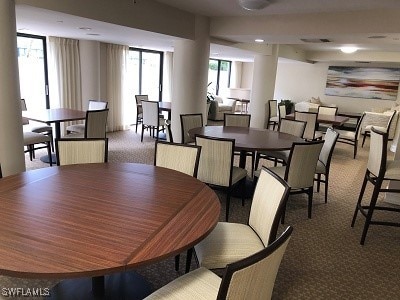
<point x="43" y="22"/>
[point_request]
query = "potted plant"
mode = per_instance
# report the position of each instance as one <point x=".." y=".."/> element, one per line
<point x="289" y="105"/>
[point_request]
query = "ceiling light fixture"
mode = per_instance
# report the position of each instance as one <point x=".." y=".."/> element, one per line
<point x="348" y="49"/>
<point x="254" y="4"/>
<point x="259" y="40"/>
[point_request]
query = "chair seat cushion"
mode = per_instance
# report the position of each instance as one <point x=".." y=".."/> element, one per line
<point x="238" y="174"/>
<point x="380" y="128"/>
<point x="224" y="108"/>
<point x="274" y="119"/>
<point x="31" y="138"/>
<point x="227" y="243"/>
<point x="279" y="154"/>
<point x="80" y="128"/>
<point x="41" y="129"/>
<point x="350" y="135"/>
<point x="198" y="284"/>
<point x="320" y="169"/>
<point x="393" y="169"/>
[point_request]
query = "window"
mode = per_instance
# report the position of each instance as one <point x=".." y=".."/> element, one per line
<point x="33" y="73"/>
<point x="145" y="73"/>
<point x="219" y="72"/>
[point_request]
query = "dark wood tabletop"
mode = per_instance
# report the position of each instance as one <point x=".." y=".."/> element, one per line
<point x="335" y="120"/>
<point x="249" y="139"/>
<point x="55" y="115"/>
<point x="95" y="219"/>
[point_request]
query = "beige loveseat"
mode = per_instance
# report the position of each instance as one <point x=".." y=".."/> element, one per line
<point x="381" y="120"/>
<point x="311" y="105"/>
<point x="219" y="106"/>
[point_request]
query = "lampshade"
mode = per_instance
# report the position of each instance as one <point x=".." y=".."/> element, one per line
<point x="253" y="4"/>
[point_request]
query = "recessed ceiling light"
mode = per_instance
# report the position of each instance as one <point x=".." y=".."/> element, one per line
<point x="377" y="36"/>
<point x="96" y="34"/>
<point x="85" y="28"/>
<point x="60" y="21"/>
<point x="348" y="49"/>
<point x="259" y="40"/>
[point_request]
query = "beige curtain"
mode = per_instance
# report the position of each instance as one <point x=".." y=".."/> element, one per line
<point x="65" y="70"/>
<point x="167" y="76"/>
<point x="116" y="87"/>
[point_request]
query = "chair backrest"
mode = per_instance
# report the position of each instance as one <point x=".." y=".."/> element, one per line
<point x="302" y="162"/>
<point x="25" y="121"/>
<point x="311" y="119"/>
<point x="81" y="151"/>
<point x="358" y="127"/>
<point x="150" y="113"/>
<point x="216" y="160"/>
<point x="97" y="105"/>
<point x="390" y="120"/>
<point x="1" y="172"/>
<point x="327" y="110"/>
<point x="273" y="108"/>
<point x="254" y="277"/>
<point x="189" y="121"/>
<point x="269" y="200"/>
<point x="140" y="98"/>
<point x="330" y="139"/>
<point x="96" y="123"/>
<point x="170" y="137"/>
<point x="377" y="157"/>
<point x="282" y="111"/>
<point x="239" y="120"/>
<point x="179" y="157"/>
<point x="293" y="127"/>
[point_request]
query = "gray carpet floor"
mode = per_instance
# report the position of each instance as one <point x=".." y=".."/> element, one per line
<point x="324" y="259"/>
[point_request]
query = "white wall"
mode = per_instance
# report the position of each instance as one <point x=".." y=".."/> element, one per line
<point x="300" y="81"/>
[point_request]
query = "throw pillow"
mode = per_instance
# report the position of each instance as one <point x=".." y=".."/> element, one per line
<point x="315" y="100"/>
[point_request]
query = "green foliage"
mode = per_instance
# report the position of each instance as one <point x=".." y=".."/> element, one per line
<point x="289" y="105"/>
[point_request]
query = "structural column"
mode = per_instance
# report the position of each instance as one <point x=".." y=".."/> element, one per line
<point x="12" y="157"/>
<point x="264" y="75"/>
<point x="190" y="74"/>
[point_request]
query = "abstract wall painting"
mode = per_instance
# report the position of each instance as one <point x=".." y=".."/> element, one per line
<point x="360" y="82"/>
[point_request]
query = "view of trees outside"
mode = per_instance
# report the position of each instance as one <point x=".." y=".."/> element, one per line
<point x="31" y="72"/>
<point x="222" y="67"/>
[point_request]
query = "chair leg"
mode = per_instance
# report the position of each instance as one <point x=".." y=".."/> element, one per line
<point x="257" y="161"/>
<point x="310" y="197"/>
<point x="326" y="186"/>
<point x="228" y="202"/>
<point x="364" y="184"/>
<point x="253" y="157"/>
<point x="189" y="255"/>
<point x="141" y="138"/>
<point x="371" y="208"/>
<point x="364" y="136"/>
<point x="318" y="182"/>
<point x="136" y="126"/>
<point x="177" y="258"/>
<point x="355" y="150"/>
<point x="243" y="188"/>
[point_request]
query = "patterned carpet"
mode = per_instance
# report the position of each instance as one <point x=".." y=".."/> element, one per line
<point x="324" y="259"/>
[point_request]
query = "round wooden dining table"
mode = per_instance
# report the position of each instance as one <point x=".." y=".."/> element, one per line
<point x="248" y="138"/>
<point x="93" y="220"/>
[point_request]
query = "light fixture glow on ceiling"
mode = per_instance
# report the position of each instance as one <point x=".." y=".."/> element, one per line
<point x="348" y="49"/>
<point x="253" y="4"/>
<point x="259" y="40"/>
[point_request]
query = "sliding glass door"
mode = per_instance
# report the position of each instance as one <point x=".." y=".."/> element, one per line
<point x="33" y="75"/>
<point x="219" y="72"/>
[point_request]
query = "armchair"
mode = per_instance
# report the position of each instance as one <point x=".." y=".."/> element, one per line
<point x="219" y="106"/>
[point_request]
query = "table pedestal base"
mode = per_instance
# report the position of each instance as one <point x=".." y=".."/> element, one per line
<point x="46" y="159"/>
<point x="126" y="285"/>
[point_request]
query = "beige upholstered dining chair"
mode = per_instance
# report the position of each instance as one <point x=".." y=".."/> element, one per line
<point x="93" y="105"/>
<point x="189" y="121"/>
<point x="310" y="118"/>
<point x="139" y="109"/>
<point x="351" y="137"/>
<point x="95" y="125"/>
<point x="324" y="160"/>
<point x="81" y="151"/>
<point x="326" y="110"/>
<point x="367" y="129"/>
<point x="182" y="158"/>
<point x="34" y="141"/>
<point x="151" y="118"/>
<point x="281" y="111"/>
<point x="216" y="165"/>
<point x="292" y="127"/>
<point x="300" y="170"/>
<point x="379" y="169"/>
<point x="230" y="242"/>
<point x="272" y="117"/>
<point x="239" y="120"/>
<point x="170" y="137"/>
<point x="250" y="278"/>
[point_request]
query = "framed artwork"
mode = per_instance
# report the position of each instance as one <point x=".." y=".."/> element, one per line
<point x="360" y="82"/>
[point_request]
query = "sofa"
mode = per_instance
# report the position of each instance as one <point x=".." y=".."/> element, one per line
<point x="311" y="105"/>
<point x="219" y="106"/>
<point x="381" y="120"/>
